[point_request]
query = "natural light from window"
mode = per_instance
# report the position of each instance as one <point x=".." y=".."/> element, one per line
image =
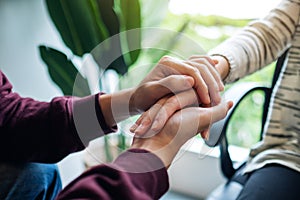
<point x="246" y="9"/>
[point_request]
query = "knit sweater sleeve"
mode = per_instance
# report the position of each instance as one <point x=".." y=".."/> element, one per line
<point x="261" y="42"/>
<point x="32" y="130"/>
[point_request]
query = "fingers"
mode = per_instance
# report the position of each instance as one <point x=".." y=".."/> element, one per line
<point x="205" y="134"/>
<point x="199" y="119"/>
<point x="210" y="65"/>
<point x="208" y="82"/>
<point x="149" y="93"/>
<point x="220" y="111"/>
<point x="174" y="84"/>
<point x="176" y="66"/>
<point x="157" y="116"/>
<point x="173" y="104"/>
<point x="211" y="79"/>
<point x="188" y="122"/>
<point x="144" y="122"/>
<point x="174" y="76"/>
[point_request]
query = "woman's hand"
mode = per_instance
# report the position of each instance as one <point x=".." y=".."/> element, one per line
<point x="181" y="127"/>
<point x="222" y="65"/>
<point x="156" y="117"/>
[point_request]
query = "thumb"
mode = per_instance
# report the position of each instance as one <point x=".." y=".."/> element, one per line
<point x="174" y="84"/>
<point x="220" y="111"/>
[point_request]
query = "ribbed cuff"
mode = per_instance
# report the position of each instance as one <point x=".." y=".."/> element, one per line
<point x="88" y="119"/>
<point x="106" y="129"/>
<point x="232" y="74"/>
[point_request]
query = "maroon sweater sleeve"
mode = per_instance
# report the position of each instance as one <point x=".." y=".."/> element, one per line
<point x="31" y="130"/>
<point x="136" y="174"/>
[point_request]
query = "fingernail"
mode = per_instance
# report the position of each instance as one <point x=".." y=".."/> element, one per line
<point x="139" y="129"/>
<point x="142" y="127"/>
<point x="222" y="87"/>
<point x="208" y="100"/>
<point x="133" y="127"/>
<point x="155" y="125"/>
<point x="206" y="137"/>
<point x="230" y="105"/>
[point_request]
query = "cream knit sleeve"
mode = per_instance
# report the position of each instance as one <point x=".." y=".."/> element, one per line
<point x="261" y="42"/>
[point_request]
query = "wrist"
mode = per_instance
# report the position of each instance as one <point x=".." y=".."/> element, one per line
<point x="222" y="66"/>
<point x="105" y="105"/>
<point x="116" y="107"/>
<point x="166" y="152"/>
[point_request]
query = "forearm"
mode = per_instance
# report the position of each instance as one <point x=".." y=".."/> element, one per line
<point x="36" y="131"/>
<point x="31" y="130"/>
<point x="261" y="42"/>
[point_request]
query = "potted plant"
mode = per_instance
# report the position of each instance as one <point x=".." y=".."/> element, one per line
<point x="84" y="24"/>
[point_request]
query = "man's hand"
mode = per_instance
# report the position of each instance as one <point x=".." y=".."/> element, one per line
<point x="121" y="105"/>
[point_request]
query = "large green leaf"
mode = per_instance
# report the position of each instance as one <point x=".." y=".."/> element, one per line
<point x="111" y="21"/>
<point x="130" y="17"/>
<point x="64" y="73"/>
<point x="108" y="15"/>
<point x="79" y="23"/>
<point x="57" y="15"/>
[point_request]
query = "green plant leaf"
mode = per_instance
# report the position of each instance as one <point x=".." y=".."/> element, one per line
<point x="63" y="72"/>
<point x="108" y="15"/>
<point x="57" y="15"/>
<point x="79" y="23"/>
<point x="111" y="21"/>
<point x="130" y="17"/>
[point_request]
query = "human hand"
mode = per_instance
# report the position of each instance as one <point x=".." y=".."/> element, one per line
<point x="159" y="115"/>
<point x="149" y="92"/>
<point x="155" y="117"/>
<point x="170" y="76"/>
<point x="122" y="104"/>
<point x="181" y="127"/>
<point x="222" y="65"/>
<point x="207" y="82"/>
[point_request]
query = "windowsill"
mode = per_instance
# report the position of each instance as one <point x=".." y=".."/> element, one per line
<point x="196" y="145"/>
<point x="196" y="169"/>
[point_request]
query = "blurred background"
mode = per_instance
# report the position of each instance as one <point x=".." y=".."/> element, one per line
<point x="24" y="25"/>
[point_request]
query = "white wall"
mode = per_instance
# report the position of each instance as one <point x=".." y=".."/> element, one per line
<point x="23" y="26"/>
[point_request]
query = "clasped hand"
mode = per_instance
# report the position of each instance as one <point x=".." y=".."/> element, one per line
<point x="177" y="99"/>
<point x="184" y="100"/>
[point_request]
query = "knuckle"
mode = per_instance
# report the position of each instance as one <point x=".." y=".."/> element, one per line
<point x="193" y="57"/>
<point x="165" y="59"/>
<point x="196" y="70"/>
<point x="173" y="103"/>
